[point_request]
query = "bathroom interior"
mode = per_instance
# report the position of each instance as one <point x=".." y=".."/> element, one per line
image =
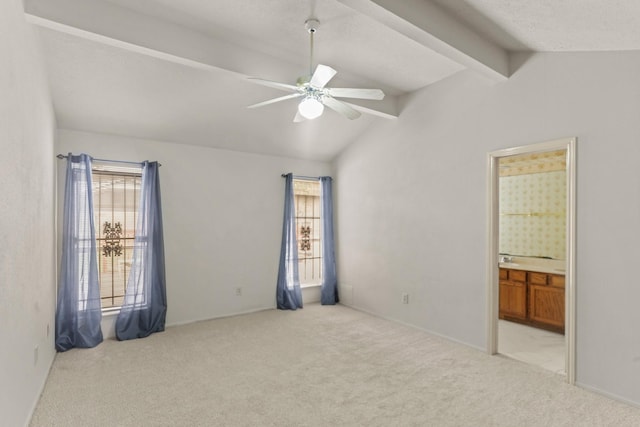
<point x="532" y="258"/>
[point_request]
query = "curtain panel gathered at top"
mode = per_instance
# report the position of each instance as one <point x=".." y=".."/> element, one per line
<point x="288" y="293"/>
<point x="329" y="289"/>
<point x="145" y="304"/>
<point x="78" y="311"/>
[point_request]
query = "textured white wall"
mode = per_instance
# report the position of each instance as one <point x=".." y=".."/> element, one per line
<point x="222" y="213"/>
<point x="27" y="269"/>
<point x="411" y="207"/>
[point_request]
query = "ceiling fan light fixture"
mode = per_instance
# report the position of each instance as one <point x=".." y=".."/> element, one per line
<point x="310" y="108"/>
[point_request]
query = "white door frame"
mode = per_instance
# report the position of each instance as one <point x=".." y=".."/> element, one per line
<point x="493" y="289"/>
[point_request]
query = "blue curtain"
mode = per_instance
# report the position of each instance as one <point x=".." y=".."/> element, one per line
<point x="78" y="311"/>
<point x="288" y="293"/>
<point x="329" y="289"/>
<point x="145" y="304"/>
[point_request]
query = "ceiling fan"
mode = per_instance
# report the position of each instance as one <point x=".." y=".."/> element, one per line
<point x="313" y="91"/>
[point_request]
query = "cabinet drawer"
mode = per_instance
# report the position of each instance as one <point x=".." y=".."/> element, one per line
<point x="556" y="280"/>
<point x="518" y="275"/>
<point x="504" y="275"/>
<point x="537" y="278"/>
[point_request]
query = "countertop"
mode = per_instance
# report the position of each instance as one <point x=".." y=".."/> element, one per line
<point x="540" y="265"/>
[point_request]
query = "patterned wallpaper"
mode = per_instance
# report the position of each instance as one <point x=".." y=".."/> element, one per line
<point x="547" y="161"/>
<point x="532" y="214"/>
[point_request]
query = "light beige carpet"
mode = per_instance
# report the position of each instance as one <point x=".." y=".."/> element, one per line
<point x="320" y="366"/>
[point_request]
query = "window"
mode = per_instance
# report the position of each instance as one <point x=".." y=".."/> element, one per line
<point x="308" y="233"/>
<point x="116" y="193"/>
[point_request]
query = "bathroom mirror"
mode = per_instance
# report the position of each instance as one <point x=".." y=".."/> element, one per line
<point x="532" y="205"/>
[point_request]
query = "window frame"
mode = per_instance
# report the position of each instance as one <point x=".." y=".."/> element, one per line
<point x="317" y="278"/>
<point x="108" y="170"/>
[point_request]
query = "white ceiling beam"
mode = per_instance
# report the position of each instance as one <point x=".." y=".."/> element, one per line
<point x="120" y="27"/>
<point x="114" y="25"/>
<point x="429" y="25"/>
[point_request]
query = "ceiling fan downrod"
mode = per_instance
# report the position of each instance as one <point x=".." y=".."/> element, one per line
<point x="311" y="25"/>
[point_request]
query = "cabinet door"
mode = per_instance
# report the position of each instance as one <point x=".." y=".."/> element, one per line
<point x="546" y="305"/>
<point x="513" y="299"/>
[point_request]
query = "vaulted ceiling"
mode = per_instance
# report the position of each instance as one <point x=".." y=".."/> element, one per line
<point x="177" y="70"/>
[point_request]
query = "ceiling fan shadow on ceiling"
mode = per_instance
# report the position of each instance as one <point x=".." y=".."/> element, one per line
<point x="314" y="91"/>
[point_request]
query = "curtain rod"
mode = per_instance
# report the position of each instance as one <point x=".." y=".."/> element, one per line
<point x="284" y="175"/>
<point x="62" y="156"/>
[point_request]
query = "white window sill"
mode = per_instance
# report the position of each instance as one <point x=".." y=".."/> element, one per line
<point x="110" y="312"/>
<point x="310" y="285"/>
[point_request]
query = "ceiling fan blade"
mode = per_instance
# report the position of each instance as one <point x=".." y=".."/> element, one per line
<point x="298" y="118"/>
<point x="341" y="107"/>
<point x="274" y="100"/>
<point x="268" y="83"/>
<point x="344" y="92"/>
<point x="321" y="76"/>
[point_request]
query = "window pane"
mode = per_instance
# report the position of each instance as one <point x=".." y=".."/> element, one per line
<point x="308" y="233"/>
<point x="115" y="198"/>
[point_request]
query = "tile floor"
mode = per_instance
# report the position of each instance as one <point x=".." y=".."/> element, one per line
<point x="531" y="345"/>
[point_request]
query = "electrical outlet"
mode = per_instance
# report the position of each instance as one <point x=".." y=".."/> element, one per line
<point x="35" y="355"/>
<point x="238" y="291"/>
<point x="405" y="298"/>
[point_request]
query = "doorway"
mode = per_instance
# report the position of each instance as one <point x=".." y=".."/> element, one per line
<point x="493" y="247"/>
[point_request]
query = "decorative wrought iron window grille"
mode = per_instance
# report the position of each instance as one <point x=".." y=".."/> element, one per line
<point x="305" y="238"/>
<point x="113" y="234"/>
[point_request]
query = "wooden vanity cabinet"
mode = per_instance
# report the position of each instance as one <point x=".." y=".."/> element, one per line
<point x="546" y="302"/>
<point x="513" y="294"/>
<point x="532" y="298"/>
